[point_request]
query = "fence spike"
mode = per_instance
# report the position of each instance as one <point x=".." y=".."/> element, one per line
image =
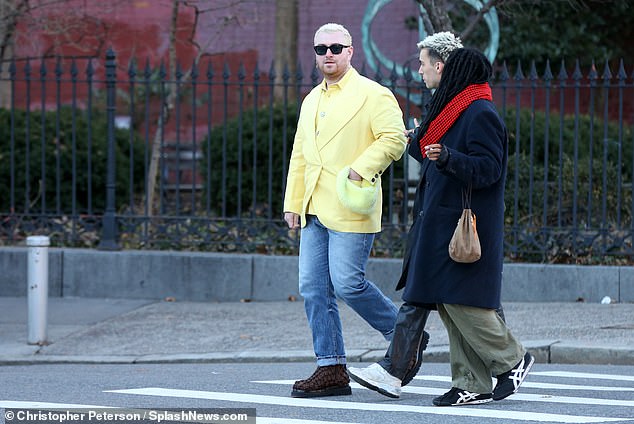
<point x="533" y="72"/>
<point x="43" y="69"/>
<point x="132" y="71"/>
<point x="73" y="69"/>
<point x="577" y="75"/>
<point x="563" y="75"/>
<point x="242" y="73"/>
<point x="12" y="68"/>
<point x="147" y="71"/>
<point x="27" y="68"/>
<point x="194" y="70"/>
<point x="519" y="75"/>
<point x="256" y="72"/>
<point x="210" y="71"/>
<point x="622" y="74"/>
<point x="179" y="71"/>
<point x="299" y="74"/>
<point x="394" y="74"/>
<point x="58" y="67"/>
<point x="607" y="74"/>
<point x="162" y="71"/>
<point x="90" y="69"/>
<point x="272" y="73"/>
<point x="378" y="77"/>
<point x="226" y="72"/>
<point x="286" y="74"/>
<point x="548" y="73"/>
<point x="593" y="75"/>
<point x="504" y="75"/>
<point x="407" y="74"/>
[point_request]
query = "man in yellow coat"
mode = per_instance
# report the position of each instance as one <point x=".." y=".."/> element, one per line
<point x="350" y="130"/>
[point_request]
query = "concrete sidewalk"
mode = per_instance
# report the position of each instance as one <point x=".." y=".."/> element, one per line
<point x="97" y="330"/>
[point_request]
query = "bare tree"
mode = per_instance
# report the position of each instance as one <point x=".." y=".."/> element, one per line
<point x="436" y="14"/>
<point x="68" y="29"/>
<point x="10" y="12"/>
<point x="200" y="7"/>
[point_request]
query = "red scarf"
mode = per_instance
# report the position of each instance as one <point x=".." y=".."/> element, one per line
<point x="452" y="110"/>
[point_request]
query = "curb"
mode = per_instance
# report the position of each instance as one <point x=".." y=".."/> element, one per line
<point x="545" y="352"/>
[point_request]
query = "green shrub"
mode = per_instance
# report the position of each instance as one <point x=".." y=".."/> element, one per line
<point x="235" y="141"/>
<point x="582" y="205"/>
<point x="602" y="142"/>
<point x="569" y="202"/>
<point x="59" y="149"/>
<point x="567" y="184"/>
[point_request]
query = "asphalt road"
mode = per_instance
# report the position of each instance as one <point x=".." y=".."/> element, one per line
<point x="551" y="393"/>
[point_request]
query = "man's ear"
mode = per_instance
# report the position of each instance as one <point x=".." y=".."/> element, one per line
<point x="440" y="66"/>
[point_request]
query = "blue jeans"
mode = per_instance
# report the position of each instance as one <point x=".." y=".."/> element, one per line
<point x="332" y="264"/>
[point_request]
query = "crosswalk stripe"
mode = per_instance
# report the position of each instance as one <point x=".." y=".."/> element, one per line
<point x="48" y="405"/>
<point x="539" y="385"/>
<point x="385" y="407"/>
<point x="75" y="406"/>
<point x="570" y="374"/>
<point x="267" y="420"/>
<point x="517" y="396"/>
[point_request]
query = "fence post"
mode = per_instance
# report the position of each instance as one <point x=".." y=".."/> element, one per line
<point x="109" y="224"/>
<point x="37" y="288"/>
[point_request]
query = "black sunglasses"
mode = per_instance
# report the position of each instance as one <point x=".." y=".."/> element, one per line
<point x="334" y="48"/>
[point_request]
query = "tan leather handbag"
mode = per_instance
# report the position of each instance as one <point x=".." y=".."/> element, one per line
<point x="464" y="246"/>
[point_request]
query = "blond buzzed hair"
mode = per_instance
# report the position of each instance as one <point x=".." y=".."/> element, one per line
<point x="440" y="44"/>
<point x="331" y="27"/>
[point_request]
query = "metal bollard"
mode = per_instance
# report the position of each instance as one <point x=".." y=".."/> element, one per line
<point x="37" y="288"/>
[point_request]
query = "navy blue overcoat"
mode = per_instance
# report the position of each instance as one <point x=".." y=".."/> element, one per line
<point x="478" y="149"/>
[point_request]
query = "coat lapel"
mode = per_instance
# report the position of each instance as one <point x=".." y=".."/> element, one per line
<point x="350" y="103"/>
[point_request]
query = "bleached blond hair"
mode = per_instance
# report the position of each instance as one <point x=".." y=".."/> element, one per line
<point x="331" y="28"/>
<point x="441" y="43"/>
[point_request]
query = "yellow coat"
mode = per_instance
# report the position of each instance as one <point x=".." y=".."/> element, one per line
<point x="365" y="133"/>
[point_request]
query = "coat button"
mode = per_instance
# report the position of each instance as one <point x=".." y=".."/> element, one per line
<point x="372" y="180"/>
<point x="421" y="213"/>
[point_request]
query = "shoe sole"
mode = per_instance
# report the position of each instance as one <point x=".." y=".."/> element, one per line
<point x="528" y="368"/>
<point x="335" y="391"/>
<point x="475" y="402"/>
<point x="419" y="360"/>
<point x="371" y="386"/>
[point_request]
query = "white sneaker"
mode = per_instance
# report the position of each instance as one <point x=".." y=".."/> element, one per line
<point x="376" y="378"/>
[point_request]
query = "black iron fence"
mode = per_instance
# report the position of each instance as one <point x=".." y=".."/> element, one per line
<point x="98" y="155"/>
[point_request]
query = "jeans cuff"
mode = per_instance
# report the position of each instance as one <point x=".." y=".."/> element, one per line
<point x="331" y="360"/>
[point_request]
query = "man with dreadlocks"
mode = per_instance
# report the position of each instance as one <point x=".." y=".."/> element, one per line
<point x="462" y="143"/>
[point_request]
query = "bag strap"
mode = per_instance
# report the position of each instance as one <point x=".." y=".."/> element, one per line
<point x="466" y="197"/>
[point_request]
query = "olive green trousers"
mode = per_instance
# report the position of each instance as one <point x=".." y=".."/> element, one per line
<point x="480" y="346"/>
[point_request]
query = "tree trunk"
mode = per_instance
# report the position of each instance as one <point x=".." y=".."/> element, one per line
<point x="437" y="11"/>
<point x="286" y="22"/>
<point x="166" y="106"/>
<point x="10" y="11"/>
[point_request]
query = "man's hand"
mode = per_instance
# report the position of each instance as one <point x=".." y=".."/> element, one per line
<point x="433" y="151"/>
<point x="292" y="219"/>
<point x="410" y="134"/>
